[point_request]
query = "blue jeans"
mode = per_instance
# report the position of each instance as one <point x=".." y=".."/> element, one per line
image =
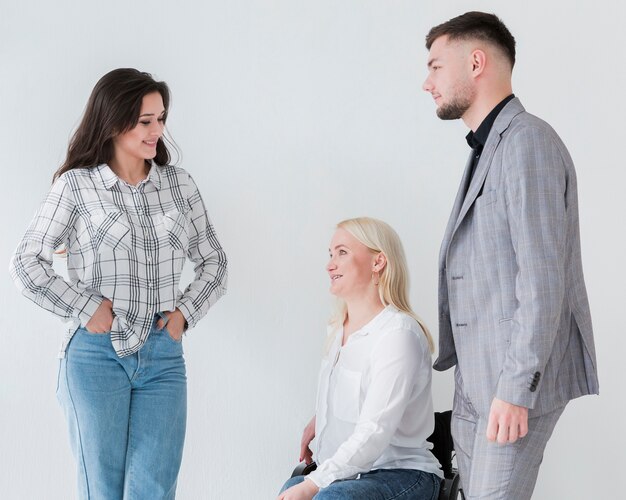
<point x="380" y="484"/>
<point x="126" y="416"/>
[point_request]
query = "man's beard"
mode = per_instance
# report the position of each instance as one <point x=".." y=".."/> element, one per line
<point x="455" y="109"/>
<point x="462" y="99"/>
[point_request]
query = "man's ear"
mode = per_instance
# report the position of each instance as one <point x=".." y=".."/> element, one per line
<point x="478" y="60"/>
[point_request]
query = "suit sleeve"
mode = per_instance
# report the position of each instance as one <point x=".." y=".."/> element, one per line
<point x="535" y="189"/>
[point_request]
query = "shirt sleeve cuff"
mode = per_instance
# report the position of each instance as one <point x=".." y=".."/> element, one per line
<point x="86" y="306"/>
<point x="320" y="479"/>
<point x="187" y="314"/>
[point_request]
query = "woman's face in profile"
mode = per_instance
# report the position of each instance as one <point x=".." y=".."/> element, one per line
<point x="350" y="265"/>
<point x="140" y="142"/>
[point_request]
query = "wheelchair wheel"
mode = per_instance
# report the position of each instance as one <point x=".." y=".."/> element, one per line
<point x="456" y="493"/>
<point x="451" y="489"/>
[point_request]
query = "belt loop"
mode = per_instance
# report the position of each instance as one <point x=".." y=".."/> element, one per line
<point x="164" y="317"/>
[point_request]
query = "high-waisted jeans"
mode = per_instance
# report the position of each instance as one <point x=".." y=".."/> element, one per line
<point x="126" y="416"/>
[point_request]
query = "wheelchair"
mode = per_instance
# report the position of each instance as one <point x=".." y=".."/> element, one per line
<point x="443" y="447"/>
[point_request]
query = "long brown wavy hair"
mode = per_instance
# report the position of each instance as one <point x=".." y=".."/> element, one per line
<point x="112" y="109"/>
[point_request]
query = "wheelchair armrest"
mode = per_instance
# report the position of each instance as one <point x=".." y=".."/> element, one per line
<point x="303" y="469"/>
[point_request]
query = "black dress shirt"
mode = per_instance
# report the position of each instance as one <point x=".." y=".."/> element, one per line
<point x="476" y="140"/>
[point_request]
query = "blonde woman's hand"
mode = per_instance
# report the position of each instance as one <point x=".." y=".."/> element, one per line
<point x="307" y="436"/>
<point x="102" y="319"/>
<point x="306" y="490"/>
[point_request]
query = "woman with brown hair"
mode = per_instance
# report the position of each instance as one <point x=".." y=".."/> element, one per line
<point x="128" y="221"/>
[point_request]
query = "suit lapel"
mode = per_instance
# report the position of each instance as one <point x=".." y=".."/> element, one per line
<point x="513" y="108"/>
<point x="479" y="175"/>
<point x="456" y="209"/>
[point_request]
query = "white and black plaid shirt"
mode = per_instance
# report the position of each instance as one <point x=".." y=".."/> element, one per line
<point x="124" y="243"/>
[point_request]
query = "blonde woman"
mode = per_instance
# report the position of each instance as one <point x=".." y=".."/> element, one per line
<point x="374" y="407"/>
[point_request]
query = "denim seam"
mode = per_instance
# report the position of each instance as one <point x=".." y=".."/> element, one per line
<point x="78" y="433"/>
<point x="138" y="368"/>
<point x="410" y="488"/>
<point x="129" y="457"/>
<point x="437" y="482"/>
<point x="128" y="473"/>
<point x="59" y="376"/>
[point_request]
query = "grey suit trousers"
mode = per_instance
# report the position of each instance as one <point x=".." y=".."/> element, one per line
<point x="490" y="471"/>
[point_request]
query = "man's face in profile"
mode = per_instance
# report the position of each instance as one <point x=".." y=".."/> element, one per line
<point x="449" y="78"/>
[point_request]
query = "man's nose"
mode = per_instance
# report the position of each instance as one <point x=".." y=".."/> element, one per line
<point x="427" y="86"/>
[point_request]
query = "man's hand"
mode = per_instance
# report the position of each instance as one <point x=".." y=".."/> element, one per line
<point x="102" y="319"/>
<point x="507" y="422"/>
<point x="307" y="436"/>
<point x="306" y="490"/>
<point x="175" y="324"/>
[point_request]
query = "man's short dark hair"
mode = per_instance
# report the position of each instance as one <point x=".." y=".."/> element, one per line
<point x="478" y="26"/>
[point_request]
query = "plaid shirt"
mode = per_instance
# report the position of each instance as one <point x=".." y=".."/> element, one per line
<point x="124" y="243"/>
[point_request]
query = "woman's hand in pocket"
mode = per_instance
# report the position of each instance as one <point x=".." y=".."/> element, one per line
<point x="175" y="324"/>
<point x="102" y="319"/>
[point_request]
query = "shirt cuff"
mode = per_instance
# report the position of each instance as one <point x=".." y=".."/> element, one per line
<point x="316" y="480"/>
<point x="86" y="306"/>
<point x="187" y="314"/>
<point x="322" y="478"/>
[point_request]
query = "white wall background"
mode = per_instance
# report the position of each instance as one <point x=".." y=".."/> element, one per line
<point x="292" y="116"/>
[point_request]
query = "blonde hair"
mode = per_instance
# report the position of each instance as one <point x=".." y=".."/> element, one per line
<point x="393" y="285"/>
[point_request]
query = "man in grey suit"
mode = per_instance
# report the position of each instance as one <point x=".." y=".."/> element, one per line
<point x="513" y="310"/>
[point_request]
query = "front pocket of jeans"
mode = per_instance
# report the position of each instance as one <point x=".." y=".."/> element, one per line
<point x="347" y="395"/>
<point x="86" y="332"/>
<point x="169" y="337"/>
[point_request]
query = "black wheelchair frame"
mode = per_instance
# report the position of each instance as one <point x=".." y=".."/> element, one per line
<point x="443" y="447"/>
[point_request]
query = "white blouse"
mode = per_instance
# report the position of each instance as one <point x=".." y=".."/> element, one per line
<point x="374" y="405"/>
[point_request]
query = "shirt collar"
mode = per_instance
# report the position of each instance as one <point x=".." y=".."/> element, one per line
<point x="154" y="175"/>
<point x="376" y="323"/>
<point x="477" y="140"/>
<point x="109" y="179"/>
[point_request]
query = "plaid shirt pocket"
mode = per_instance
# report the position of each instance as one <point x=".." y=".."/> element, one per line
<point x="110" y="230"/>
<point x="175" y="224"/>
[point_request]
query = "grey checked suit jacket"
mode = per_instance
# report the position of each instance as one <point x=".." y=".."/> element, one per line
<point x="513" y="309"/>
